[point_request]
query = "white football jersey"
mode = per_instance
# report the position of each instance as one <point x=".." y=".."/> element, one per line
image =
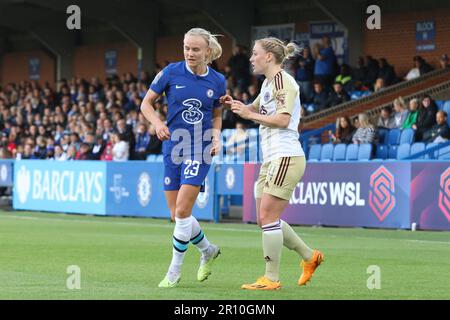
<point x="281" y="95"/>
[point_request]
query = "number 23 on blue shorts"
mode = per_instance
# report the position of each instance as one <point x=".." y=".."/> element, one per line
<point x="190" y="171"/>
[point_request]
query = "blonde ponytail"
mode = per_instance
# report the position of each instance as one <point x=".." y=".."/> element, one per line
<point x="280" y="51"/>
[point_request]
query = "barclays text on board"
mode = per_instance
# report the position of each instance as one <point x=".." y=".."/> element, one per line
<point x="328" y="193"/>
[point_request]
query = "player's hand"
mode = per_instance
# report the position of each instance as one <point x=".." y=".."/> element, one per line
<point x="240" y="109"/>
<point x="162" y="132"/>
<point x="215" y="149"/>
<point x="226" y="99"/>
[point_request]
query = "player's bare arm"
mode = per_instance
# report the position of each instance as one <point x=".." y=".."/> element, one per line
<point x="280" y="120"/>
<point x="162" y="131"/>
<point x="217" y="127"/>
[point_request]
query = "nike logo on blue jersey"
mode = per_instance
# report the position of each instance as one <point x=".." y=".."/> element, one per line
<point x="179" y="87"/>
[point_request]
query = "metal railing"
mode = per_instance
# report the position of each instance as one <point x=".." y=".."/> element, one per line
<point x="389" y="90"/>
<point x="428" y="151"/>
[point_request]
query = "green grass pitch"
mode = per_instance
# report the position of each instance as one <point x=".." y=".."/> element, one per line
<point x="125" y="258"/>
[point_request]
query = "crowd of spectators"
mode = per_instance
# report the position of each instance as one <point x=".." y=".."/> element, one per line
<point x="422" y="115"/>
<point x="91" y="120"/>
<point x="79" y="121"/>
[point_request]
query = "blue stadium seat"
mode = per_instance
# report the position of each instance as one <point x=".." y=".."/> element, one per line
<point x="151" y="157"/>
<point x="381" y="151"/>
<point x="433" y="155"/>
<point x="444" y="153"/>
<point x="229" y="158"/>
<point x="159" y="158"/>
<point x="365" y="151"/>
<point x="327" y="152"/>
<point x="339" y="152"/>
<point x="403" y="151"/>
<point x="383" y="135"/>
<point x="314" y="152"/>
<point x="392" y="153"/>
<point x="416" y="148"/>
<point x="252" y="132"/>
<point x="446" y="107"/>
<point x="407" y="136"/>
<point x="352" y="152"/>
<point x="393" y="137"/>
<point x="226" y="133"/>
<point x="252" y="151"/>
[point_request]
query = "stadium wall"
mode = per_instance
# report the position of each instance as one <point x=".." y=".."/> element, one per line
<point x="396" y="40"/>
<point x="15" y="66"/>
<point x="89" y="61"/>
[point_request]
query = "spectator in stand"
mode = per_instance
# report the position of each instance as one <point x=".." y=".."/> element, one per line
<point x="236" y="143"/>
<point x="412" y="115"/>
<point x="120" y="149"/>
<point x="50" y="148"/>
<point x="228" y="118"/>
<point x="253" y="92"/>
<point x="5" y="154"/>
<point x="379" y="85"/>
<point x="440" y="132"/>
<point x="344" y="131"/>
<point x="366" y="132"/>
<point x="239" y="65"/>
<point x="345" y="77"/>
<point x="325" y="58"/>
<point x="75" y="140"/>
<point x="98" y="147"/>
<point x="72" y="152"/>
<point x="304" y="74"/>
<point x="372" y="71"/>
<point x="107" y="154"/>
<point x="142" y="142"/>
<point x="387" y="72"/>
<point x="426" y="118"/>
<point x="320" y="97"/>
<point x="356" y="122"/>
<point x="59" y="155"/>
<point x="360" y="72"/>
<point x="420" y="68"/>
<point x="40" y="151"/>
<point x="339" y="95"/>
<point x="401" y="112"/>
<point x="155" y="145"/>
<point x="386" y="119"/>
<point x="84" y="153"/>
<point x="127" y="132"/>
<point x="26" y="154"/>
<point x="424" y="67"/>
<point x="444" y="62"/>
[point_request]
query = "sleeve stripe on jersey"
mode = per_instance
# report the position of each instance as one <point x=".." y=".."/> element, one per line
<point x="278" y="81"/>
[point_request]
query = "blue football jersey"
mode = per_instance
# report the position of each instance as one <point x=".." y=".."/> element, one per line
<point x="191" y="99"/>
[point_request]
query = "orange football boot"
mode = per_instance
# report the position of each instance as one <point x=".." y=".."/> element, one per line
<point x="263" y="284"/>
<point x="309" y="267"/>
